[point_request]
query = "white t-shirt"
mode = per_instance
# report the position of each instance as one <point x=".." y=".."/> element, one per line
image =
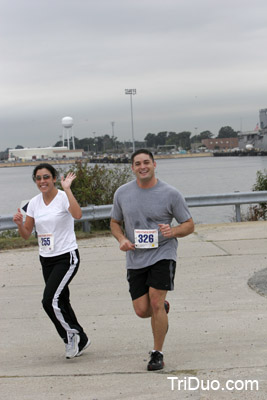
<point x="54" y="224"/>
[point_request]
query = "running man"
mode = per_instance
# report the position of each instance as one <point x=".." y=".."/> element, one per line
<point x="141" y="217"/>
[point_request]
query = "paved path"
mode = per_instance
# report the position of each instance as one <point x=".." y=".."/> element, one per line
<point x="218" y="324"/>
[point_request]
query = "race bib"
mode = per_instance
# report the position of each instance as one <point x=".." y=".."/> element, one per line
<point x="146" y="238"/>
<point x="46" y="242"/>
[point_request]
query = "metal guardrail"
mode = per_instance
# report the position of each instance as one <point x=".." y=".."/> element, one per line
<point x="228" y="199"/>
<point x="94" y="213"/>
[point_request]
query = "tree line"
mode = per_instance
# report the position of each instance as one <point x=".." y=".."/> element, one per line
<point x="106" y="143"/>
<point x="184" y="140"/>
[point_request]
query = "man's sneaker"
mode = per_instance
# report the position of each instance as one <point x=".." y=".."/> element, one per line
<point x="72" y="347"/>
<point x="156" y="361"/>
<point x="167" y="306"/>
<point x="83" y="344"/>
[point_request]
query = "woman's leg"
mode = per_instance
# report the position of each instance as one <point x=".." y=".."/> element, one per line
<point x="58" y="272"/>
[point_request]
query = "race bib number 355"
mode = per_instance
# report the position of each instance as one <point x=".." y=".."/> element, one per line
<point x="146" y="238"/>
<point x="46" y="242"/>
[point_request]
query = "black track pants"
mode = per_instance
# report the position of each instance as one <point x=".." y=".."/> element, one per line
<point x="58" y="272"/>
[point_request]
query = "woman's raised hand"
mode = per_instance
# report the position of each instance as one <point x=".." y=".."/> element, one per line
<point x="66" y="182"/>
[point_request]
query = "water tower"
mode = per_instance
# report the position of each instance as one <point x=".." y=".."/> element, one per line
<point x="67" y="123"/>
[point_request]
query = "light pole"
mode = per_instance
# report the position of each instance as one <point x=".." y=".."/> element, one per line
<point x="131" y="92"/>
<point x="112" y="126"/>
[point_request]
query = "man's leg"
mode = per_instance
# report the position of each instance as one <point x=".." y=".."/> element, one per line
<point x="142" y="306"/>
<point x="152" y="305"/>
<point x="159" y="318"/>
<point x="139" y="292"/>
<point x="149" y="302"/>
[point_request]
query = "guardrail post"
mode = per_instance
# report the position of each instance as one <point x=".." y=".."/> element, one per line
<point x="238" y="212"/>
<point x="86" y="226"/>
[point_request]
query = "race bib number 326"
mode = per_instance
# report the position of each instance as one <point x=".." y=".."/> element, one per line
<point x="146" y="238"/>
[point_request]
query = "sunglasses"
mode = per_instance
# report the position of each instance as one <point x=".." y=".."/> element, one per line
<point x="44" y="177"/>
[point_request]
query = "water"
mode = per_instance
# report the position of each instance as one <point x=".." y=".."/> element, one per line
<point x="212" y="175"/>
<point x="192" y="176"/>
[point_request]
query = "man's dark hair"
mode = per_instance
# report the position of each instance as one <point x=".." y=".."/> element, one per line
<point x="142" y="151"/>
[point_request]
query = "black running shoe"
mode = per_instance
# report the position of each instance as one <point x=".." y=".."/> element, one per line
<point x="83" y="344"/>
<point x="167" y="306"/>
<point x="156" y="361"/>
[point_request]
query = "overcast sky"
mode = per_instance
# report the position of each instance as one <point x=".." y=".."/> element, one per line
<point x="195" y="64"/>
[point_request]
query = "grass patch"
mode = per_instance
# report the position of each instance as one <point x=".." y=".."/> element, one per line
<point x="92" y="234"/>
<point x="11" y="240"/>
<point x="16" y="243"/>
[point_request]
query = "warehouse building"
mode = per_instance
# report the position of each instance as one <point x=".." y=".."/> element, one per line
<point x="43" y="153"/>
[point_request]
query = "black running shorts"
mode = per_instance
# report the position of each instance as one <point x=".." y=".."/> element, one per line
<point x="158" y="276"/>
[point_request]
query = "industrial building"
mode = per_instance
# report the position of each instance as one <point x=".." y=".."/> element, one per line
<point x="43" y="153"/>
<point x="248" y="140"/>
<point x="50" y="153"/>
<point x="220" y="143"/>
<point x="256" y="139"/>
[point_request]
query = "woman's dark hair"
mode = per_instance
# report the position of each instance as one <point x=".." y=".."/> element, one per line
<point x="47" y="166"/>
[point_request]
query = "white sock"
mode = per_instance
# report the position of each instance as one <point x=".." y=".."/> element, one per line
<point x="153" y="351"/>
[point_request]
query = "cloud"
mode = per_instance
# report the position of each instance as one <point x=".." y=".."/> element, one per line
<point x="194" y="63"/>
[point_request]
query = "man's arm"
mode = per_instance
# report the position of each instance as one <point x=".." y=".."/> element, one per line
<point x="117" y="232"/>
<point x="178" y="231"/>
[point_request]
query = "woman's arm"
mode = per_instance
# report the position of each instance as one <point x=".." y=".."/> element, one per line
<point x="25" y="229"/>
<point x="74" y="207"/>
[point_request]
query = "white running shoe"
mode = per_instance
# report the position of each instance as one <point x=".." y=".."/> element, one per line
<point x="72" y="347"/>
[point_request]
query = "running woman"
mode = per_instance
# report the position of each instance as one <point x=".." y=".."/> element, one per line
<point x="52" y="212"/>
<point x="146" y="207"/>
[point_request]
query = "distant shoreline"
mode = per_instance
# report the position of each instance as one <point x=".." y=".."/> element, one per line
<point x="187" y="155"/>
<point x="74" y="161"/>
<point x="30" y="163"/>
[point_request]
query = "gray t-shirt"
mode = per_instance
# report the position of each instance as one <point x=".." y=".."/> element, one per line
<point x="145" y="209"/>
